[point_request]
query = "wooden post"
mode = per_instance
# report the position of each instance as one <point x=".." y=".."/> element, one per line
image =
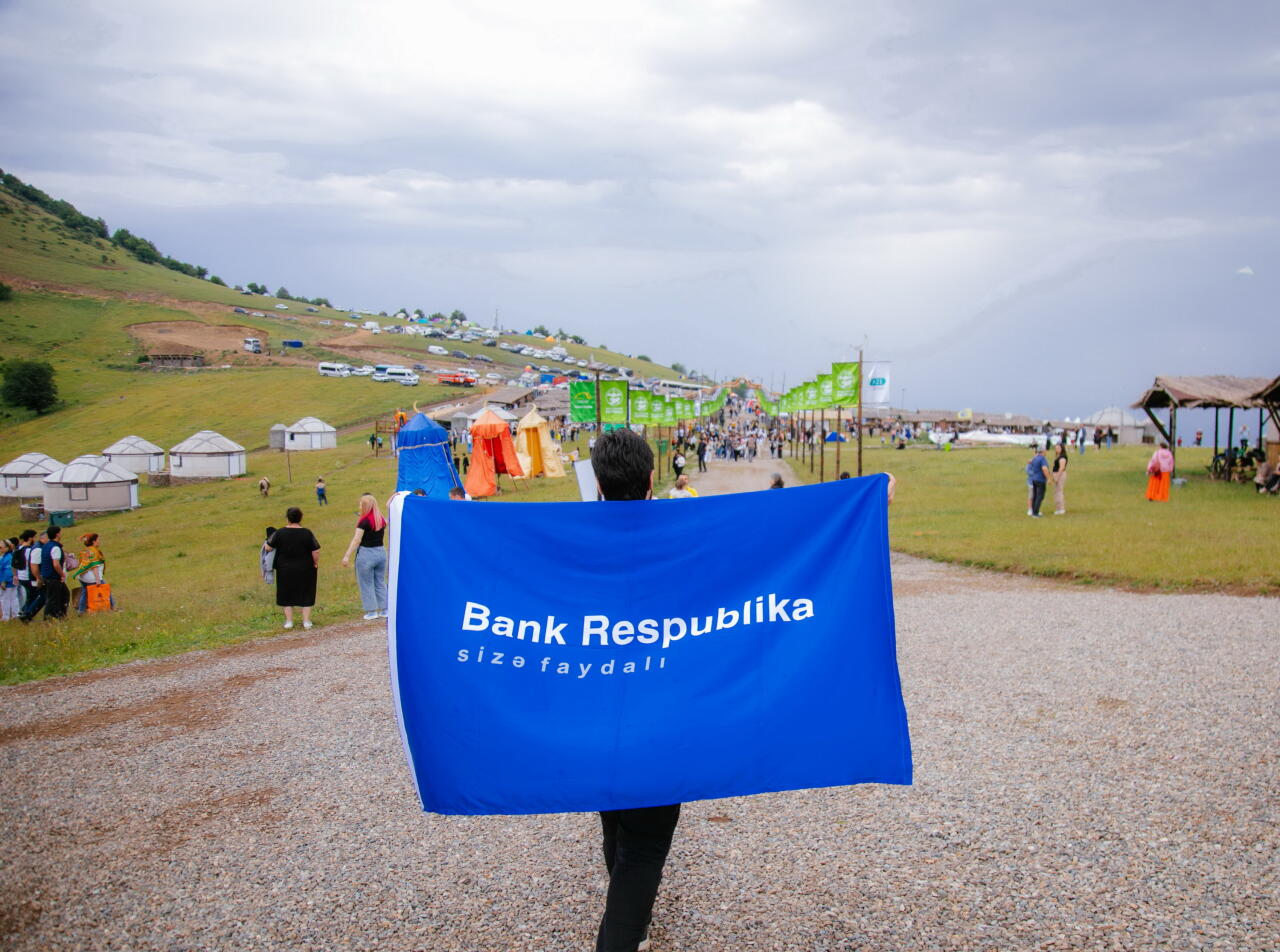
<point x="859" y="412"/>
<point x="812" y="430"/>
<point x="1173" y="436"/>
<point x="1231" y="430"/>
<point x="822" y="449"/>
<point x="839" y="437"/>
<point x="1216" y="412"/>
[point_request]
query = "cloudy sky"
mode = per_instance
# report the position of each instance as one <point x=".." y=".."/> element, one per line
<point x="1023" y="210"/>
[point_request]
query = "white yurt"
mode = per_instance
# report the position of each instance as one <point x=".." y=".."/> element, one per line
<point x="23" y="478"/>
<point x="91" y="484"/>
<point x="1129" y="427"/>
<point x="206" y="455"/>
<point x="276" y="436"/>
<point x="311" y="434"/>
<point x="136" y="455"/>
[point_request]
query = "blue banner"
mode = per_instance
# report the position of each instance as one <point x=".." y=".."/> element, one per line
<point x="562" y="657"/>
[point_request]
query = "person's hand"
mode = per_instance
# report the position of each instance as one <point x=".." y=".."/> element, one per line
<point x="345" y="561"/>
<point x="893" y="485"/>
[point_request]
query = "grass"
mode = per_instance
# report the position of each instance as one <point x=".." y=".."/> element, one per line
<point x="969" y="507"/>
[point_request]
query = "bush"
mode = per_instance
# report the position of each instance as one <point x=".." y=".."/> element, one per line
<point x="6" y="292"/>
<point x="29" y="383"/>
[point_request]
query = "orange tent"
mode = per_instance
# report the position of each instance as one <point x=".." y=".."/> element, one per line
<point x="492" y="452"/>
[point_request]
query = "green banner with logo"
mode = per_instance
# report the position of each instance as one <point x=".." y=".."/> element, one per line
<point x="824" y="390"/>
<point x="613" y="401"/>
<point x="640" y="411"/>
<point x="669" y="413"/>
<point x="844" y="384"/>
<point x="582" y="401"/>
<point x="657" y="409"/>
<point x="810" y="399"/>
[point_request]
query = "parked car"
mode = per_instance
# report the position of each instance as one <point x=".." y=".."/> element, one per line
<point x="282" y="307"/>
<point x="314" y="310"/>
<point x="489" y="342"/>
<point x="256" y="314"/>
<point x="419" y="367"/>
<point x="493" y="376"/>
<point x="483" y="358"/>
<point x="437" y="350"/>
<point x="326" y="323"/>
<point x="240" y="310"/>
<point x="364" y="371"/>
<point x="462" y="355"/>
<point x="349" y="324"/>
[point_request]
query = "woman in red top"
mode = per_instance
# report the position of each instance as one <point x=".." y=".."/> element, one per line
<point x="371" y="558"/>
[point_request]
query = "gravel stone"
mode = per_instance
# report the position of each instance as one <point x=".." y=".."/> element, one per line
<point x="1094" y="770"/>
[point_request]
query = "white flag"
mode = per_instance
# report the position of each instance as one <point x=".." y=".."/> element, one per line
<point x="875" y="382"/>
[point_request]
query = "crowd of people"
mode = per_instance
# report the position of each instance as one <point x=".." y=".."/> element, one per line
<point x="38" y="572"/>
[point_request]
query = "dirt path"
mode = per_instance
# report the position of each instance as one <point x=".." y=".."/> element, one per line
<point x="744" y="476"/>
<point x="1093" y="769"/>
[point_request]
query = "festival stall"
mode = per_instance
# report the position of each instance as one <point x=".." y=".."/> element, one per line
<point x="425" y="462"/>
<point x="537" y="453"/>
<point x="492" y="453"/>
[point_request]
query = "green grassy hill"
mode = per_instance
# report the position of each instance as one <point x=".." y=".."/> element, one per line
<point x="184" y="566"/>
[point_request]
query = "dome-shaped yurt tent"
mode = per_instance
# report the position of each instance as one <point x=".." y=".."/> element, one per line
<point x="276" y="436"/>
<point x="425" y="463"/>
<point x="91" y="484"/>
<point x="136" y="455"/>
<point x="23" y="478"/>
<point x="311" y="434"/>
<point x="206" y="455"/>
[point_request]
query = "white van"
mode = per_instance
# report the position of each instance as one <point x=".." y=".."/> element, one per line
<point x="328" y="369"/>
<point x="402" y="375"/>
<point x="437" y="350"/>
<point x="253" y="345"/>
<point x="370" y="325"/>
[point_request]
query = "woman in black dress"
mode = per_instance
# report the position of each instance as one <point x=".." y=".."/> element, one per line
<point x="297" y="561"/>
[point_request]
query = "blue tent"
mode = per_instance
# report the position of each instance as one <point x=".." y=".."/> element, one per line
<point x="835" y="436"/>
<point x="425" y="461"/>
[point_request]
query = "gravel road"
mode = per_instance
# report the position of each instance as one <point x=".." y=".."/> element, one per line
<point x="1094" y="770"/>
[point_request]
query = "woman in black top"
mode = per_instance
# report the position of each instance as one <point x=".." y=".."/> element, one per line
<point x="371" y="558"/>
<point x="1059" y="477"/>
<point x="297" y="563"/>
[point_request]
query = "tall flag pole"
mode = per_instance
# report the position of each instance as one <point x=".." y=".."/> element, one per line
<point x="860" y="378"/>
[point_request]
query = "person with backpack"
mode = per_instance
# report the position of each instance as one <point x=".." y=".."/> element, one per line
<point x="53" y="594"/>
<point x="36" y="594"/>
<point x="21" y="576"/>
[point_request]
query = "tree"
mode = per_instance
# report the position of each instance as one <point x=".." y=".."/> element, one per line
<point x="578" y="339"/>
<point x="217" y="280"/>
<point x="29" y="383"/>
<point x="457" y="317"/>
<point x="645" y="357"/>
<point x="541" y="331"/>
<point x="6" y="292"/>
<point x="283" y="293"/>
<point x="678" y="367"/>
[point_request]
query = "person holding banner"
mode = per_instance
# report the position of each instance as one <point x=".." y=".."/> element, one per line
<point x="635" y="842"/>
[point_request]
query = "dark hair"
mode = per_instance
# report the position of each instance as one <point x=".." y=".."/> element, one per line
<point x="777" y="482"/>
<point x="27" y="535"/>
<point x="623" y="465"/>
<point x="271" y="530"/>
<point x="293" y="514"/>
<point x="53" y="532"/>
<point x="13" y="541"/>
<point x="845" y="475"/>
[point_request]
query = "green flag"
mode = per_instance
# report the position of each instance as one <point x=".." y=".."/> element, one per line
<point x="810" y="399"/>
<point x="640" y="406"/>
<point x="613" y="401"/>
<point x="582" y="401"/>
<point x="657" y="409"/>
<point x="669" y="412"/>
<point x="844" y="383"/>
<point x="824" y="391"/>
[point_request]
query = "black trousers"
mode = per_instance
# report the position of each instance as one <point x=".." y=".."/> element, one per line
<point x="635" y="848"/>
<point x="36" y="597"/>
<point x="57" y="598"/>
<point x="1037" y="496"/>
<point x="702" y="464"/>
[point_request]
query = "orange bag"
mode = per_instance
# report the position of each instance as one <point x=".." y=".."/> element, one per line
<point x="98" y="597"/>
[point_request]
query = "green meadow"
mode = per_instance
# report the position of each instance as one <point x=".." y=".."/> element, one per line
<point x="969" y="506"/>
